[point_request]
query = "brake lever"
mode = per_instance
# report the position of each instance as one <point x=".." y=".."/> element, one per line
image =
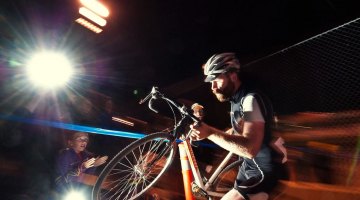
<point x="145" y="99"/>
<point x="150" y="105"/>
<point x="150" y="95"/>
<point x="184" y="111"/>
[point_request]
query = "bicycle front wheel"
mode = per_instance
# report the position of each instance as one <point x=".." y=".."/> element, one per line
<point x="136" y="168"/>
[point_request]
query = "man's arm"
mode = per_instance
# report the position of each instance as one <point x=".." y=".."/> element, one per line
<point x="247" y="145"/>
<point x="248" y="142"/>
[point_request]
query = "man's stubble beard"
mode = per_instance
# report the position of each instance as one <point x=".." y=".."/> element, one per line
<point x="226" y="93"/>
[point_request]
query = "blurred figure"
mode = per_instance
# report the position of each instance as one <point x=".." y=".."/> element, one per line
<point x="83" y="112"/>
<point x="74" y="161"/>
<point x="106" y="115"/>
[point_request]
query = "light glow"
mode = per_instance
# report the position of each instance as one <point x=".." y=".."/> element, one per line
<point x="88" y="25"/>
<point x="123" y="121"/>
<point x="49" y="69"/>
<point x="96" y="7"/>
<point x="92" y="16"/>
<point x="75" y="195"/>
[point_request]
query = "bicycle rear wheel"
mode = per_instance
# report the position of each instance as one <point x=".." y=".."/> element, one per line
<point x="225" y="181"/>
<point x="136" y="168"/>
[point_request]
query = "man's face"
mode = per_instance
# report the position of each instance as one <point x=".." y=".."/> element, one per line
<point x="223" y="87"/>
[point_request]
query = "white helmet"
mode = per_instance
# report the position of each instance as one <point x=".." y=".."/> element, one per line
<point x="219" y="64"/>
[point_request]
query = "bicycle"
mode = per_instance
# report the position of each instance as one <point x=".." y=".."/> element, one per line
<point x="139" y="166"/>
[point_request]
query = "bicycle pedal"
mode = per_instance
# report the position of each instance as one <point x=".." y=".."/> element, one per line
<point x="197" y="191"/>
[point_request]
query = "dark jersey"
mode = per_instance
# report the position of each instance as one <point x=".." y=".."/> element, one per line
<point x="254" y="173"/>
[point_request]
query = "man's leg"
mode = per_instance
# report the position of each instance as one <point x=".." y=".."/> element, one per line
<point x="235" y="195"/>
<point x="259" y="196"/>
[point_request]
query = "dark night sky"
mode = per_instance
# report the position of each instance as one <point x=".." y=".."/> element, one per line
<point x="164" y="43"/>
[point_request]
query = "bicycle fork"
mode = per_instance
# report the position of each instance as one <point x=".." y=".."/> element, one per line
<point x="197" y="186"/>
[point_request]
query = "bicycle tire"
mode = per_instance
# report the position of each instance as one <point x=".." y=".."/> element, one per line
<point x="226" y="178"/>
<point x="136" y="168"/>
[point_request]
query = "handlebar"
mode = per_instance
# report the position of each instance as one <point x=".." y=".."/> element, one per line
<point x="155" y="94"/>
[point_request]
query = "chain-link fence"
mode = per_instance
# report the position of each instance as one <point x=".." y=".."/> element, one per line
<point x="315" y="89"/>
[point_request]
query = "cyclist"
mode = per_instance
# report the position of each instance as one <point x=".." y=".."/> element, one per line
<point x="251" y="117"/>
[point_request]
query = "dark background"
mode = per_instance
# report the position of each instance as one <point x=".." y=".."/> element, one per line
<point x="164" y="44"/>
<point x="160" y="43"/>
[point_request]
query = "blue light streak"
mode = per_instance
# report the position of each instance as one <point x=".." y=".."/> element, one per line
<point x="88" y="129"/>
<point x="73" y="127"/>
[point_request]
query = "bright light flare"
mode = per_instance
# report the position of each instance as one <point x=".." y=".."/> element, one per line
<point x="49" y="70"/>
<point x="96" y="6"/>
<point x="92" y="16"/>
<point x="88" y="25"/>
<point x="75" y="195"/>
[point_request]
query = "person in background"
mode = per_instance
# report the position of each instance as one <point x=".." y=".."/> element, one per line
<point x="251" y="138"/>
<point x="74" y="161"/>
<point x="198" y="111"/>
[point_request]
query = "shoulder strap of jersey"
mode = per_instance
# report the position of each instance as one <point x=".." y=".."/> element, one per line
<point x="264" y="104"/>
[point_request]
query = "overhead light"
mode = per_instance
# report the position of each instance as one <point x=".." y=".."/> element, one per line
<point x="123" y="121"/>
<point x="96" y="7"/>
<point x="92" y="16"/>
<point x="88" y="25"/>
<point x="49" y="69"/>
<point x="94" y="13"/>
